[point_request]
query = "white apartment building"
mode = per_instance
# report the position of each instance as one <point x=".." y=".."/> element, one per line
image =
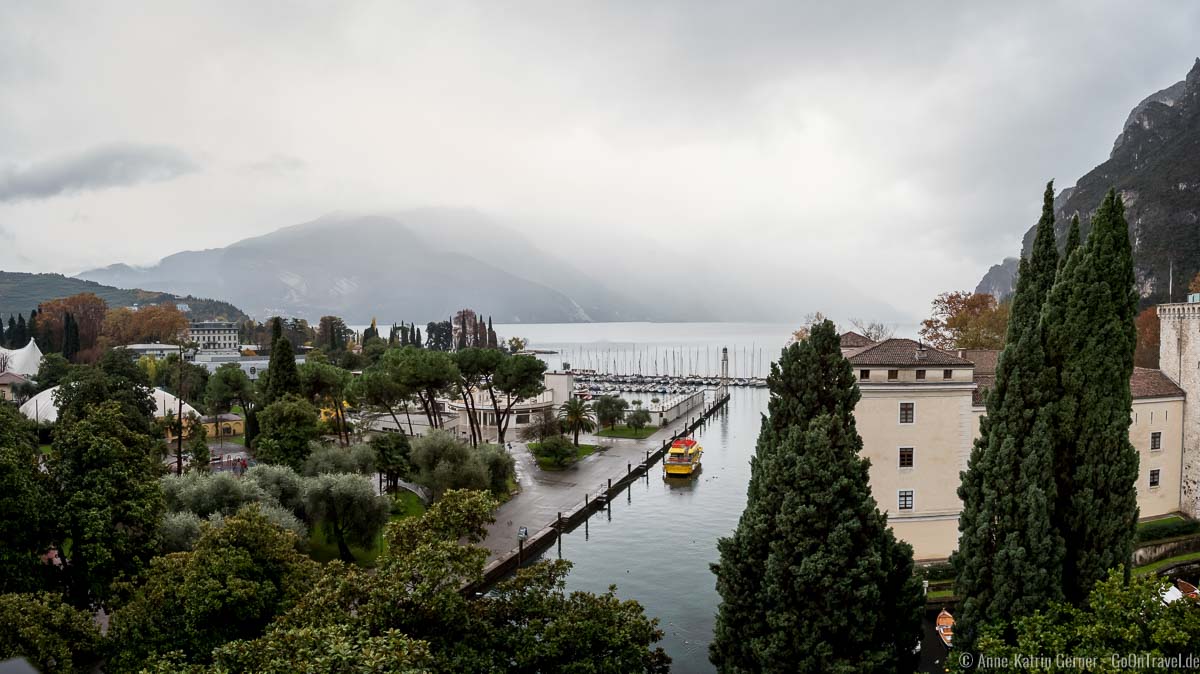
<point x="919" y="416"/>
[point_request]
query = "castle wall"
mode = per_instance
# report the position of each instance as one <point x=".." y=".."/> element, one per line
<point x="1179" y="359"/>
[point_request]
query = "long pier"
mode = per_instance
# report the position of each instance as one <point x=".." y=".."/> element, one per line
<point x="592" y="502"/>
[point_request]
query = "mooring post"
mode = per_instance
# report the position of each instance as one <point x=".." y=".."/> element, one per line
<point x="558" y="524"/>
<point x="628" y="468"/>
<point x="610" y="484"/>
<point x="585" y="503"/>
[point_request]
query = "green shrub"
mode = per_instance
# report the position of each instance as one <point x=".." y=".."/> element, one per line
<point x="935" y="572"/>
<point x="1156" y="530"/>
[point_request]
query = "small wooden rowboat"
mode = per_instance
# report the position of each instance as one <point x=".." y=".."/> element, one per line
<point x="1187" y="589"/>
<point x="945" y="628"/>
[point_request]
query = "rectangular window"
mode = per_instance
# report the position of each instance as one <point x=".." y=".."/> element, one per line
<point x="893" y="375"/>
<point x="947" y="374"/>
<point x="864" y="374"/>
<point x="906" y="499"/>
<point x="920" y="375"/>
<point x="908" y="413"/>
<point x="1155" y="441"/>
<point x="1154" y="476"/>
<point x="522" y="418"/>
<point x="906" y="457"/>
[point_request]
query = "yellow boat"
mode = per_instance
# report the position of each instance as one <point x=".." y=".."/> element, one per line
<point x="683" y="459"/>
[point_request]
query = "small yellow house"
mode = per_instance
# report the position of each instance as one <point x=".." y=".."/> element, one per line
<point x="224" y="425"/>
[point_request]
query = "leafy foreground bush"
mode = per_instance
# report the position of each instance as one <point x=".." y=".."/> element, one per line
<point x="244" y="600"/>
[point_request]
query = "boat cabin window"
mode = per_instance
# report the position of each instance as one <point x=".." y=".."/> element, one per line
<point x="906" y="499"/>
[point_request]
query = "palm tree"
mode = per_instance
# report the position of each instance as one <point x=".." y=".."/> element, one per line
<point x="577" y="416"/>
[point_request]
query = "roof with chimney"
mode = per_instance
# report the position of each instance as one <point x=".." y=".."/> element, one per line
<point x="900" y="352"/>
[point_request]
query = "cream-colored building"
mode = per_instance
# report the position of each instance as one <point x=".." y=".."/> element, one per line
<point x="919" y="416"/>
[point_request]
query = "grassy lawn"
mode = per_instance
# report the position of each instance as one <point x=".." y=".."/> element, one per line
<point x="44" y="449"/>
<point x="940" y="594"/>
<point x="627" y="432"/>
<point x="547" y="464"/>
<point x="406" y="504"/>
<point x="1161" y="564"/>
<point x="323" y="548"/>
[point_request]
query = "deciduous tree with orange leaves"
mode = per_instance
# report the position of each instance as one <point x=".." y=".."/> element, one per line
<point x="966" y="320"/>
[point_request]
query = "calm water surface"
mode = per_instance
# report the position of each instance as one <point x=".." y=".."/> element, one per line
<point x="656" y="541"/>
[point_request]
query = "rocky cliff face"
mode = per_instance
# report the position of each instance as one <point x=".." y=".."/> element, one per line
<point x="1155" y="165"/>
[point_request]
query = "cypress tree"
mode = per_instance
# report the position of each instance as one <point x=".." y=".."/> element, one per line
<point x="812" y="578"/>
<point x="3" y="335"/>
<point x="22" y="337"/>
<point x="282" y="375"/>
<point x="1073" y="239"/>
<point x="417" y="339"/>
<point x="12" y="332"/>
<point x="1090" y="339"/>
<point x="276" y="330"/>
<point x="1008" y="562"/>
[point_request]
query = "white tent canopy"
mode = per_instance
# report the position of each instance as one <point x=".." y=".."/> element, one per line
<point x="41" y="407"/>
<point x="24" y="361"/>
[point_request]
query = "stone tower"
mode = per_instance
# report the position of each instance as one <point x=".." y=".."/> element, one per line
<point x="1179" y="359"/>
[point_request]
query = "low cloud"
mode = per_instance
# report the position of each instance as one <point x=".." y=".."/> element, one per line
<point x="277" y="164"/>
<point x="117" y="165"/>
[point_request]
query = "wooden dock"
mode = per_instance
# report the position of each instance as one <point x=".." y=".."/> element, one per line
<point x="592" y="502"/>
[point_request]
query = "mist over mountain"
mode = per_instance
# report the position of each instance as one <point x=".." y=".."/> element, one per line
<point x="424" y="264"/>
<point x="1155" y="165"/>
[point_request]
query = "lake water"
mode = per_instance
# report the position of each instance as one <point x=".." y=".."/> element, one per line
<point x="655" y="541"/>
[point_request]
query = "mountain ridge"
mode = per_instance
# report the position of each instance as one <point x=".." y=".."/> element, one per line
<point x="1155" y="166"/>
<point x="22" y="291"/>
<point x="418" y="265"/>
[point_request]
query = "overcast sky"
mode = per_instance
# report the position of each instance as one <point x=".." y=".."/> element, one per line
<point x="894" y="148"/>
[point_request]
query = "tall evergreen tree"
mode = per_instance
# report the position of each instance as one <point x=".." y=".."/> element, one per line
<point x="1090" y="338"/>
<point x="417" y="340"/>
<point x="12" y="333"/>
<point x="22" y="335"/>
<point x="1008" y="562"/>
<point x="812" y="578"/>
<point x="1074" y="239"/>
<point x="283" y="377"/>
<point x="3" y="335"/>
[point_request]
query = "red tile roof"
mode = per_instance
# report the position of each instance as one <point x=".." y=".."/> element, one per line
<point x="1145" y="383"/>
<point x="853" y="340"/>
<point x="985" y="359"/>
<point x="1148" y="383"/>
<point x="904" y="353"/>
